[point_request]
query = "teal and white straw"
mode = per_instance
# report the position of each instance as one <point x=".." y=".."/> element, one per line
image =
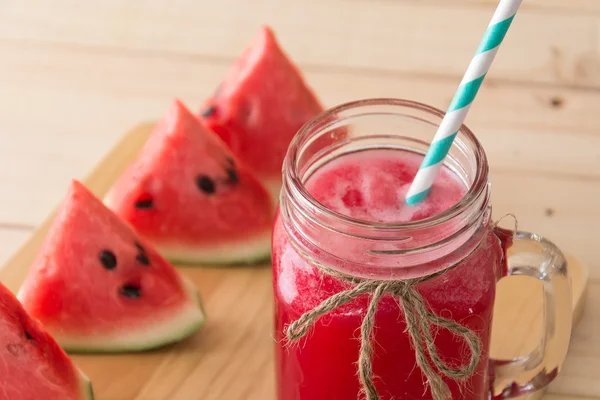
<point x="463" y="98"/>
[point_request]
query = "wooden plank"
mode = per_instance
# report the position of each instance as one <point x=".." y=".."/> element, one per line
<point x="567" y="397"/>
<point x="571" y="6"/>
<point x="82" y="97"/>
<point x="10" y="240"/>
<point x="391" y="36"/>
<point x="580" y="374"/>
<point x="40" y="70"/>
<point x="231" y="358"/>
<point x="558" y="208"/>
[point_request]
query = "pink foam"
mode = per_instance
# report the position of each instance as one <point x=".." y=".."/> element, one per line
<point x="371" y="185"/>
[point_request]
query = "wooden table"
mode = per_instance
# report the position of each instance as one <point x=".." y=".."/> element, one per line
<point x="75" y="75"/>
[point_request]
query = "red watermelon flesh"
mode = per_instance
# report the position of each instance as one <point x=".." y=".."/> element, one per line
<point x="97" y="286"/>
<point x="189" y="196"/>
<point x="260" y="106"/>
<point x="32" y="364"/>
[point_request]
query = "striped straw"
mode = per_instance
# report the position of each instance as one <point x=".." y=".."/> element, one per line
<point x="463" y="98"/>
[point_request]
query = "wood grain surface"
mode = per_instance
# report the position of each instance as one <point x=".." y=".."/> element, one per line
<point x="75" y="75"/>
<point x="231" y="357"/>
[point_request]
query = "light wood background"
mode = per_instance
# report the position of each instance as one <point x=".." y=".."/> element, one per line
<point x="74" y="76"/>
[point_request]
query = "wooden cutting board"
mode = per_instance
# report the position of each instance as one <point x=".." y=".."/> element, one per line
<point x="231" y="357"/>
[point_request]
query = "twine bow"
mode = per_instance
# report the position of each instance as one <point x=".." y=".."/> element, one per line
<point x="419" y="320"/>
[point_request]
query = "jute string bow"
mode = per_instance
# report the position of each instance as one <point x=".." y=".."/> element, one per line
<point x="418" y="324"/>
<point x="419" y="320"/>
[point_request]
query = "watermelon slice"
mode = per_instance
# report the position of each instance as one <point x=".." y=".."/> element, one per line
<point x="97" y="287"/>
<point x="260" y="106"/>
<point x="32" y="364"/>
<point x="189" y="196"/>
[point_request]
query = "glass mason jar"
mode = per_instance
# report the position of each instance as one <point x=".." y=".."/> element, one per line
<point x="452" y="261"/>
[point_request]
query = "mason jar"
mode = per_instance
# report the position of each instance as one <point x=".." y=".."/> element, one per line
<point x="388" y="309"/>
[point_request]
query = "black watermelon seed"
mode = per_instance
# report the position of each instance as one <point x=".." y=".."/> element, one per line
<point x="208" y="111"/>
<point x="28" y="335"/>
<point x="205" y="184"/>
<point x="143" y="259"/>
<point x="230" y="161"/>
<point x="140" y="247"/>
<point x="145" y="203"/>
<point x="131" y="291"/>
<point x="232" y="176"/>
<point x="108" y="259"/>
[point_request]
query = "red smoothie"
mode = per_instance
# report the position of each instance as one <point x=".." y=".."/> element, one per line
<point x="370" y="185"/>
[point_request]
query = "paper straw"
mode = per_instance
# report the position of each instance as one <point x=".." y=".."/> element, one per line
<point x="463" y="98"/>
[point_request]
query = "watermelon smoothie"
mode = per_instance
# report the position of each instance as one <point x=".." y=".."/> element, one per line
<point x="342" y="207"/>
<point x="370" y="185"/>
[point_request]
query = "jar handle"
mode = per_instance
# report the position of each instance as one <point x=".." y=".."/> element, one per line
<point x="534" y="256"/>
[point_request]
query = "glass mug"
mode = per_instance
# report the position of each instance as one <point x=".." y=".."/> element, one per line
<point x="452" y="262"/>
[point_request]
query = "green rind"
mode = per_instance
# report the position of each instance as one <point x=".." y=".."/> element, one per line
<point x="176" y="337"/>
<point x="87" y="392"/>
<point x="87" y="389"/>
<point x="186" y="262"/>
<point x="242" y="252"/>
<point x="90" y="391"/>
<point x="133" y="349"/>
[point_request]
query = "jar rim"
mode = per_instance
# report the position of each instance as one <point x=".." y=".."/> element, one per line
<point x="292" y="180"/>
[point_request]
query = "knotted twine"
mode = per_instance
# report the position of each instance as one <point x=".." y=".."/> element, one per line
<point x="419" y="320"/>
<point x="418" y="324"/>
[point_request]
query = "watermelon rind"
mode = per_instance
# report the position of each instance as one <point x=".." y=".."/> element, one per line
<point x="177" y="327"/>
<point x="241" y="252"/>
<point x="244" y="251"/>
<point x="87" y="392"/>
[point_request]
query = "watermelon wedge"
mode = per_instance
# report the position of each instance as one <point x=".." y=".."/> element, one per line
<point x="32" y="364"/>
<point x="188" y="195"/>
<point x="97" y="287"/>
<point x="260" y="106"/>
